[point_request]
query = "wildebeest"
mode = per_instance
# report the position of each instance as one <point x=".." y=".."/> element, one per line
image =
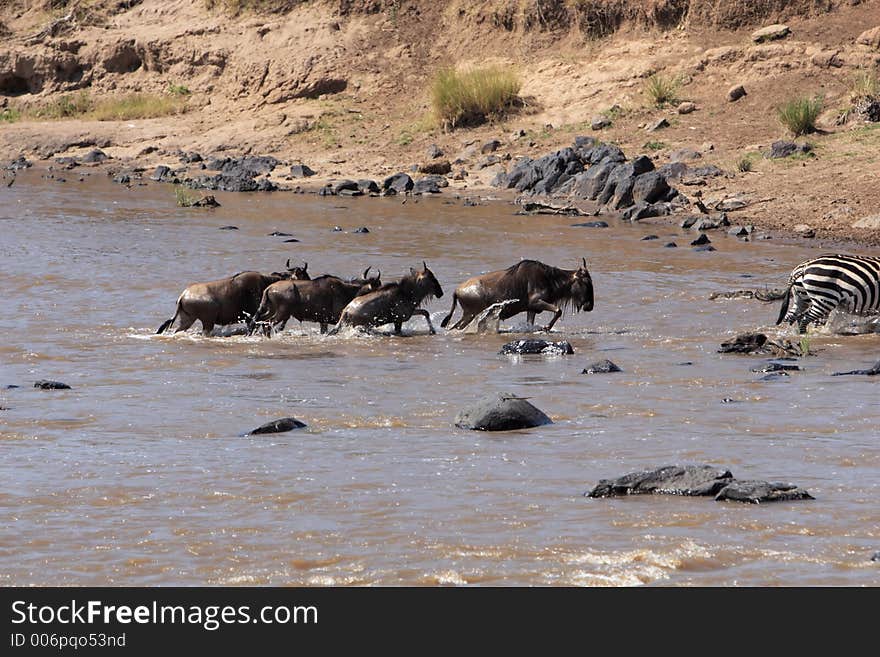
<point x="534" y="286"/>
<point x="393" y="303"/>
<point x="318" y="300"/>
<point x="225" y="301"/>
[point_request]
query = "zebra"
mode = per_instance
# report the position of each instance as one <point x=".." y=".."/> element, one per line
<point x="832" y="281"/>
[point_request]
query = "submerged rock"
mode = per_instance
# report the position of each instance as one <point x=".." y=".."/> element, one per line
<point x="537" y="347"/>
<point x="755" y="492"/>
<point x="501" y="412"/>
<point x="874" y="371"/>
<point x="745" y="343"/>
<point x="667" y="480"/>
<point x="602" y="367"/>
<point x="45" y="384"/>
<point x="278" y="426"/>
<point x="697" y="480"/>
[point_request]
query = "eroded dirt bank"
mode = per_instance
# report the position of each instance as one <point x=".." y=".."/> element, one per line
<point x="344" y="88"/>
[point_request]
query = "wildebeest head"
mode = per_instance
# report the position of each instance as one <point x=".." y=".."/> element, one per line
<point x="582" y="288"/>
<point x="426" y="281"/>
<point x="369" y="283"/>
<point x="298" y="273"/>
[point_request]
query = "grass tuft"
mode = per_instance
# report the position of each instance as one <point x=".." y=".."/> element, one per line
<point x="662" y="90"/>
<point x="744" y="164"/>
<point x="864" y="85"/>
<point x="474" y="96"/>
<point x="184" y="198"/>
<point x="9" y="115"/>
<point x="799" y="115"/>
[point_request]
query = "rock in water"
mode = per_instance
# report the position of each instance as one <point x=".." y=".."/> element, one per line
<point x="537" y="347"/>
<point x="278" y="426"/>
<point x="668" y="480"/>
<point x="756" y="492"/>
<point x="501" y="412"/>
<point x="601" y="367"/>
<point x="45" y="384"/>
<point x="744" y="344"/>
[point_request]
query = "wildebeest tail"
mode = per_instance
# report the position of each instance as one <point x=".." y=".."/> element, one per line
<point x="169" y="322"/>
<point x="783" y="311"/>
<point x="261" y="311"/>
<point x="449" y="316"/>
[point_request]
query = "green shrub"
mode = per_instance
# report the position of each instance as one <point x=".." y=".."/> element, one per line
<point x="184" y="198"/>
<point x="471" y="97"/>
<point x="744" y="164"/>
<point x="799" y="115"/>
<point x="661" y="90"/>
<point x="66" y="107"/>
<point x="654" y="145"/>
<point x="9" y="115"/>
<point x="178" y="89"/>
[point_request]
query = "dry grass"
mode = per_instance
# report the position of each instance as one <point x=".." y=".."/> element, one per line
<point x="864" y="84"/>
<point x="474" y="96"/>
<point x="799" y="115"/>
<point x="661" y="90"/>
<point x="236" y="7"/>
<point x="122" y="108"/>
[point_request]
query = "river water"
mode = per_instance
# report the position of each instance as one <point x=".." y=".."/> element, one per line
<point x="140" y="474"/>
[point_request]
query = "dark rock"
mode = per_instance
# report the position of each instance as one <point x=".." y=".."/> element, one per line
<point x="163" y="174"/>
<point x="19" y="163"/>
<point x="702" y="239"/>
<point x="67" y="162"/>
<point x="291" y="240"/>
<point x="190" y="158"/>
<point x="488" y="161"/>
<point x="12" y="386"/>
<point x="45" y="384"/>
<point x="362" y="229"/>
<point x="599" y="122"/>
<point x="368" y="186"/>
<point x="744" y="344"/>
<point x="122" y="179"/>
<point x="327" y="190"/>
<point x="245" y="182"/>
<point x="278" y="426"/>
<point x="704" y="247"/>
<point x="606" y="153"/>
<point x="347" y="188"/>
<point x="644" y="210"/>
<point x="736" y="92"/>
<point x="670" y="245"/>
<point x="711" y="222"/>
<point x="490" y="146"/>
<point x="248" y="167"/>
<point x="691" y="480"/>
<point x="649" y="187"/>
<point x="434" y="152"/>
<point x="429" y="185"/>
<point x="301" y="171"/>
<point x="874" y="371"/>
<point x="673" y="170"/>
<point x="95" y="157"/>
<point x="399" y="182"/>
<point x="685" y="155"/>
<point x="206" y="202"/>
<point x="875" y="556"/>
<point x="589" y="185"/>
<point x="501" y="412"/>
<point x="228" y="228"/>
<point x="278" y="233"/>
<point x="650" y="237"/>
<point x="537" y="347"/>
<point x="756" y="492"/>
<point x="776" y="367"/>
<point x="593" y="224"/>
<point x="740" y="231"/>
<point x="783" y="148"/>
<point x="438" y="168"/>
<point x="657" y="125"/>
<point x="601" y="367"/>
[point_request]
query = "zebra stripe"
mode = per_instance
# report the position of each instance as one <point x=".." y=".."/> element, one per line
<point x="831" y="282"/>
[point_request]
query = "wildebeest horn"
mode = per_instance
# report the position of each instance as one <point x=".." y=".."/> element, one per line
<point x="367" y="271"/>
<point x="378" y="274"/>
<point x="305" y="266"/>
<point x="424" y="266"/>
<point x="288" y="263"/>
<point x="585" y="262"/>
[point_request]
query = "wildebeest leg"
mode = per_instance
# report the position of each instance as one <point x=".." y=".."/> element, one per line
<point x="186" y="320"/>
<point x="539" y="305"/>
<point x="530" y="317"/>
<point x="424" y="313"/>
<point x="449" y="316"/>
<point x="207" y="327"/>
<point x="323" y="328"/>
<point x="466" y="319"/>
<point x="398" y="328"/>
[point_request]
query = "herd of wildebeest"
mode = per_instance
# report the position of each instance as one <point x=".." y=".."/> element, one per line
<point x="268" y="301"/>
<point x="816" y="287"/>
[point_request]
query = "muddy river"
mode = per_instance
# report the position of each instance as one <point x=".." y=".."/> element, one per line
<point x="141" y="475"/>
